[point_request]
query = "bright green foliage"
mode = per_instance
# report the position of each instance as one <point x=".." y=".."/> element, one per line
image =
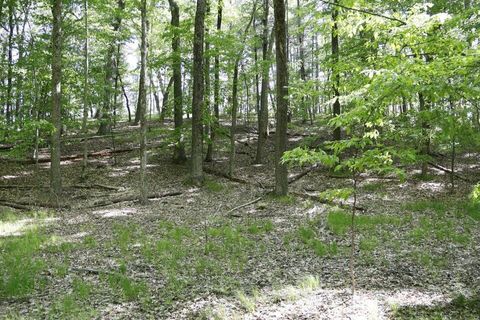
<point x="21" y="264"/>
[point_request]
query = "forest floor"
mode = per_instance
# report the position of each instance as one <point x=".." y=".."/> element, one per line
<point x="188" y="255"/>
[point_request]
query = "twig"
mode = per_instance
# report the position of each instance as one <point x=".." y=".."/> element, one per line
<point x="244" y="205"/>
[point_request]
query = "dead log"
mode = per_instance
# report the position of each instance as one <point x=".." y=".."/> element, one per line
<point x="224" y="175"/>
<point x="26" y="204"/>
<point x="302" y="174"/>
<point x="15" y="205"/>
<point x="244" y="205"/>
<point x="324" y="201"/>
<point x="133" y="197"/>
<point x="439" y="167"/>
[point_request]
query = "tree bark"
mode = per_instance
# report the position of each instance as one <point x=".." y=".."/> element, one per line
<point x="263" y="110"/>
<point x="105" y="112"/>
<point x="231" y="166"/>
<point x="56" y="116"/>
<point x="198" y="94"/>
<point x="281" y="173"/>
<point x="216" y="90"/>
<point x="337" y="133"/>
<point x="142" y="104"/>
<point x="85" y="91"/>
<point x="179" y="155"/>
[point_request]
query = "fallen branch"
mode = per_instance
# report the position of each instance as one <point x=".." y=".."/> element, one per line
<point x="96" y="185"/>
<point x="26" y="205"/>
<point x="436" y="166"/>
<point x="244" y="205"/>
<point x="224" y="175"/>
<point x="133" y="197"/>
<point x="324" y="201"/>
<point x="15" y="205"/>
<point x="302" y="174"/>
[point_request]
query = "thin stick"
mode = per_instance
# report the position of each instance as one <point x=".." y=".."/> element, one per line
<point x="244" y="205"/>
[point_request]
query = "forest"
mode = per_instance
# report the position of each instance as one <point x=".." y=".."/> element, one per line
<point x="240" y="159"/>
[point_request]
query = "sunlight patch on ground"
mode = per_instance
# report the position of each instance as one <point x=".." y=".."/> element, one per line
<point x="17" y="228"/>
<point x="431" y="186"/>
<point x="310" y="302"/>
<point x="115" y="212"/>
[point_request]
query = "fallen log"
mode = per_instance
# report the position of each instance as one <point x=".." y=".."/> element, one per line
<point x="244" y="205"/>
<point x="29" y="204"/>
<point x="303" y="173"/>
<point x="224" y="175"/>
<point x="15" y="205"/>
<point x="439" y="167"/>
<point x="133" y="197"/>
<point x="324" y="201"/>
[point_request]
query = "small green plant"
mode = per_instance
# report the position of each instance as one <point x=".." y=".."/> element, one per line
<point x="213" y="186"/>
<point x="90" y="242"/>
<point x="20" y="264"/>
<point x="309" y="283"/>
<point x="247" y="302"/>
<point x="82" y="289"/>
<point x="130" y="289"/>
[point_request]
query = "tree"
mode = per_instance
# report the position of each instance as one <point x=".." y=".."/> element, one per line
<point x="263" y="110"/>
<point x="179" y="149"/>
<point x="281" y="173"/>
<point x="198" y="94"/>
<point x="142" y="103"/>
<point x="337" y="133"/>
<point x="56" y="118"/>
<point x="85" y="92"/>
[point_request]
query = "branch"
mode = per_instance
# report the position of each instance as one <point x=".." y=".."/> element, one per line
<point x="244" y="205"/>
<point x="365" y="12"/>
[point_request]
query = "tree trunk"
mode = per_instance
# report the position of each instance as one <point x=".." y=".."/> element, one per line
<point x="263" y="110"/>
<point x="337" y="133"/>
<point x="55" y="153"/>
<point x="281" y="174"/>
<point x="235" y="95"/>
<point x="198" y="94"/>
<point x="216" y="90"/>
<point x="10" y="62"/>
<point x="179" y="149"/>
<point x="85" y="92"/>
<point x="142" y="104"/>
<point x="105" y="112"/>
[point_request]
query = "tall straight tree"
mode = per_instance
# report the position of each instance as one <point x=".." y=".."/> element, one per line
<point x="216" y="89"/>
<point x="231" y="165"/>
<point x="179" y="149"/>
<point x="198" y="94"/>
<point x="106" y="110"/>
<point x="142" y="102"/>
<point x="57" y="39"/>
<point x="263" y="110"/>
<point x="85" y="90"/>
<point x="337" y="133"/>
<point x="281" y="173"/>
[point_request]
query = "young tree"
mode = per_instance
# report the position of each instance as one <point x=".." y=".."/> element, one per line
<point x="337" y="133"/>
<point x="56" y="117"/>
<point x="281" y="174"/>
<point x="142" y="102"/>
<point x="179" y="149"/>
<point x="85" y="91"/>
<point x="198" y="94"/>
<point x="263" y="110"/>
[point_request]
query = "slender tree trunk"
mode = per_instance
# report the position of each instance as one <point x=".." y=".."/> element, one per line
<point x="106" y="109"/>
<point x="425" y="145"/>
<point x="216" y="90"/>
<point x="56" y="116"/>
<point x="85" y="91"/>
<point x="142" y="98"/>
<point x="281" y="173"/>
<point x="10" y="62"/>
<point x="337" y="133"/>
<point x="198" y="94"/>
<point x="263" y="110"/>
<point x="179" y="155"/>
<point x="233" y="128"/>
<point x="127" y="101"/>
<point x="302" y="72"/>
<point x="166" y="95"/>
